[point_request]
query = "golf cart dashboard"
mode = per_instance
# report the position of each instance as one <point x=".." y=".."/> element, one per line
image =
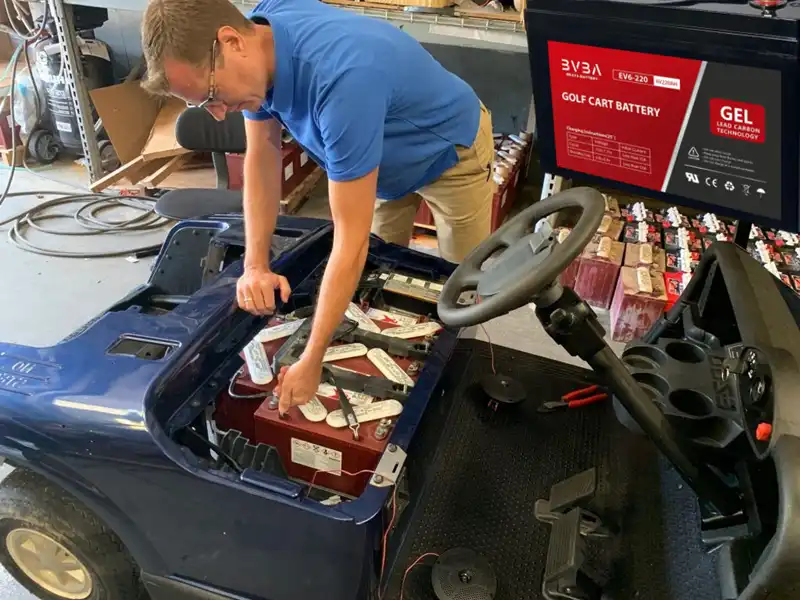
<point x="723" y="363"/>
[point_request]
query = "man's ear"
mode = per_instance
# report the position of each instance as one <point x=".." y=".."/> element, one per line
<point x="231" y="39"/>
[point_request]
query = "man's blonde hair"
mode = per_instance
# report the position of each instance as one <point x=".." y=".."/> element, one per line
<point x="183" y="30"/>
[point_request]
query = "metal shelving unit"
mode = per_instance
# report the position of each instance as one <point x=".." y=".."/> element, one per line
<point x="471" y="31"/>
<point x="73" y="76"/>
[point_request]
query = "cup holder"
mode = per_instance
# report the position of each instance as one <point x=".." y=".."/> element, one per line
<point x="647" y="358"/>
<point x="655" y="386"/>
<point x="691" y="403"/>
<point x="685" y="352"/>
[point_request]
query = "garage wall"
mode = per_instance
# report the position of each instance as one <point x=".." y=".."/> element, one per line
<point x="501" y="79"/>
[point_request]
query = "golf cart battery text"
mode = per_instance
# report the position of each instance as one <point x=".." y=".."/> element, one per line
<point x="608" y="103"/>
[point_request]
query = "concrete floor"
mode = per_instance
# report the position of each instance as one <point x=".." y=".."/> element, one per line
<point x="46" y="298"/>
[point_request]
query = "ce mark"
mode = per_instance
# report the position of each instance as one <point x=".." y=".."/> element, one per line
<point x="712" y="181"/>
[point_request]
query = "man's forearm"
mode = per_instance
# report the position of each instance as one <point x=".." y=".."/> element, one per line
<point x="338" y="286"/>
<point x="262" y="198"/>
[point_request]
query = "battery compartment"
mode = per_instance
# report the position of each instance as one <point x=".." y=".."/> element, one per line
<point x="242" y="433"/>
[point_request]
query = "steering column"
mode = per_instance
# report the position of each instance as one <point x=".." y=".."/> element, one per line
<point x="526" y="261"/>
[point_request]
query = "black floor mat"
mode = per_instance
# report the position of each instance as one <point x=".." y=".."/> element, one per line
<point x="488" y="472"/>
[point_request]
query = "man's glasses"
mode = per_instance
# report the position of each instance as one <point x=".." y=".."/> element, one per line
<point x="212" y="81"/>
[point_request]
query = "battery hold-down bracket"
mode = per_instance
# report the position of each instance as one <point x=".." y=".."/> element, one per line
<point x="390" y="467"/>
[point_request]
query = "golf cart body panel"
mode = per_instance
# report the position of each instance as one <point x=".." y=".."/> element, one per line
<point x="95" y="414"/>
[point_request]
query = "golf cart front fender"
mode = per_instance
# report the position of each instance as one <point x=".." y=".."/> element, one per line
<point x="37" y="435"/>
<point x="66" y="479"/>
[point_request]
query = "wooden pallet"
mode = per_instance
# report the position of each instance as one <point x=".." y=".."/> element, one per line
<point x="475" y="12"/>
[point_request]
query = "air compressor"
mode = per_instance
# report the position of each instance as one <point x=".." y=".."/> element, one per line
<point x="59" y="128"/>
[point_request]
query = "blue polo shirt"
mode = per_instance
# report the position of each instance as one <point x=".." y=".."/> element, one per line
<point x="358" y="93"/>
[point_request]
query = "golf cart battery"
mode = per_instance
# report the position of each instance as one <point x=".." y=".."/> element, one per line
<point x="316" y="451"/>
<point x="692" y="103"/>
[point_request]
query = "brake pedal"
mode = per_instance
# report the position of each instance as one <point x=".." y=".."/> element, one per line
<point x="563" y="577"/>
<point x="569" y="494"/>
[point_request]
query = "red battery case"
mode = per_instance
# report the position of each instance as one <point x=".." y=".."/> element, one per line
<point x="308" y="450"/>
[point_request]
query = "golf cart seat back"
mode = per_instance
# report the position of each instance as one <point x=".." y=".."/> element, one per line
<point x="198" y="131"/>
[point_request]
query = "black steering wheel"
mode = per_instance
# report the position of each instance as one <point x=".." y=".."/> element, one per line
<point x="529" y="262"/>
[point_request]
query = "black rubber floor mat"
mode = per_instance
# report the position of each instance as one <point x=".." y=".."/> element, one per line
<point x="488" y="471"/>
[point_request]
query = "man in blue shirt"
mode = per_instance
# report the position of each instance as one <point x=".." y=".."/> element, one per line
<point x="390" y="126"/>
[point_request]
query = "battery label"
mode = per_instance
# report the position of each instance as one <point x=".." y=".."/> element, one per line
<point x="700" y="130"/>
<point x="315" y="456"/>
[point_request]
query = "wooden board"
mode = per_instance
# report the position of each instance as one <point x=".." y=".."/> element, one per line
<point x="292" y="203"/>
<point x="363" y="4"/>
<point x="482" y="13"/>
<point x="173" y="164"/>
<point x="133" y="171"/>
<point x="146" y="169"/>
<point x="475" y="12"/>
<point x="117" y="175"/>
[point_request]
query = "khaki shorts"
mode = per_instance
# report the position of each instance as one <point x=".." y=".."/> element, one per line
<point x="460" y="200"/>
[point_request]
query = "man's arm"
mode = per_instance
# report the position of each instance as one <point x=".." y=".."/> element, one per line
<point x="351" y="112"/>
<point x="352" y="203"/>
<point x="262" y="189"/>
<point x="352" y="115"/>
<point x="255" y="291"/>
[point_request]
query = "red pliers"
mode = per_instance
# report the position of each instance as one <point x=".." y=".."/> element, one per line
<point x="576" y="399"/>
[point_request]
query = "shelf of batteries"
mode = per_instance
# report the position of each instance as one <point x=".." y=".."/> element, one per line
<point x="642" y="258"/>
<point x="685" y="238"/>
<point x="369" y="369"/>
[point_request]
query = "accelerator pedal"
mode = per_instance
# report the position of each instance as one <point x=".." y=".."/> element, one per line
<point x="569" y="494"/>
<point x="563" y="577"/>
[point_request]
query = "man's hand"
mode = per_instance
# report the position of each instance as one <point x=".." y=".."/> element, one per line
<point x="255" y="290"/>
<point x="298" y="383"/>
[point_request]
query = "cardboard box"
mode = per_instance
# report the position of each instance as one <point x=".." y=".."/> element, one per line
<point x="640" y="298"/>
<point x="610" y="227"/>
<point x="141" y="128"/>
<point x="645" y="255"/>
<point x="612" y="206"/>
<point x="639" y="301"/>
<point x="598" y="271"/>
<point x="675" y="282"/>
<point x="787" y="260"/>
<point x="567" y="277"/>
<point x="643" y="232"/>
